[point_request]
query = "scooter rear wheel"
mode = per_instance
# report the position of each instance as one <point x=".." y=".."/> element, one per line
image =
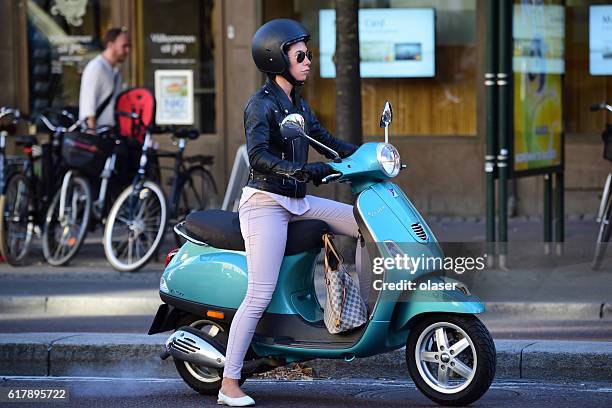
<point x="451" y="358"/>
<point x="205" y="380"/>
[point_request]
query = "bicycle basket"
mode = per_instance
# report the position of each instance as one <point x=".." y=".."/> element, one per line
<point x="607" y="139"/>
<point x="86" y="152"/>
<point x="135" y="100"/>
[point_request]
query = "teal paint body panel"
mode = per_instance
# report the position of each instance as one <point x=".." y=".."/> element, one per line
<point x="361" y="168"/>
<point x="220" y="277"/>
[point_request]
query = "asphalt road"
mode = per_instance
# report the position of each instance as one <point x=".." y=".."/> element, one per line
<point x="151" y="393"/>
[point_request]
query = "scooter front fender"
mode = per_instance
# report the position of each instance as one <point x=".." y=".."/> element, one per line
<point x="406" y="312"/>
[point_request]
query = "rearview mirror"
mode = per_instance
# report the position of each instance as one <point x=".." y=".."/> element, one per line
<point x="294" y="120"/>
<point x="387" y="115"/>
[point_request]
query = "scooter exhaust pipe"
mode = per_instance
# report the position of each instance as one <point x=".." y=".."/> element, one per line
<point x="191" y="345"/>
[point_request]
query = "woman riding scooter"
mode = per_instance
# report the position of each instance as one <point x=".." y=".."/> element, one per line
<point x="276" y="192"/>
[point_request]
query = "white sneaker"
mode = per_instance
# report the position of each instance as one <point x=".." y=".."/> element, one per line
<point x="245" y="401"/>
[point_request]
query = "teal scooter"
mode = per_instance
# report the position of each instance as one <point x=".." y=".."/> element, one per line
<point x="450" y="354"/>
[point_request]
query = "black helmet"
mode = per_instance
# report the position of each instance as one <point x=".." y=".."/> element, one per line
<point x="270" y="42"/>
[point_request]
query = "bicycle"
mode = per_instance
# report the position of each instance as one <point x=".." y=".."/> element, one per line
<point x="193" y="187"/>
<point x="132" y="221"/>
<point x="5" y="164"/>
<point x="69" y="214"/>
<point x="27" y="192"/>
<point x="605" y="206"/>
<point x="137" y="220"/>
<point x="92" y="162"/>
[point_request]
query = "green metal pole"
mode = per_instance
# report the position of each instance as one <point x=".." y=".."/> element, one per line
<point x="504" y="81"/>
<point x="547" y="208"/>
<point x="491" y="101"/>
<point x="560" y="211"/>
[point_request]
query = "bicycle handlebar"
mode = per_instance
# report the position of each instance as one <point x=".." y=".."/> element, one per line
<point x="15" y="113"/>
<point x="60" y="129"/>
<point x="180" y="133"/>
<point x="601" y="106"/>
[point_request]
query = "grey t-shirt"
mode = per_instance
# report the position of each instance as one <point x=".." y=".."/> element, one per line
<point x="96" y="84"/>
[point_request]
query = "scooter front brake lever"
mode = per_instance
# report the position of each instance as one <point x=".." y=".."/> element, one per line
<point x="331" y="177"/>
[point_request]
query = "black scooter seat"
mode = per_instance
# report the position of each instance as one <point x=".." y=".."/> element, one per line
<point x="221" y="229"/>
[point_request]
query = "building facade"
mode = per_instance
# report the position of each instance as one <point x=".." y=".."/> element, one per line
<point x="439" y="117"/>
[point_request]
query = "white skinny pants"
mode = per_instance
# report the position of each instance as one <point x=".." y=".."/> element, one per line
<point x="264" y="228"/>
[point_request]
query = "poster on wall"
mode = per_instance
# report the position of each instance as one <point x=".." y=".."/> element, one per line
<point x="600" y="40"/>
<point x="539" y="33"/>
<point x="538" y="65"/>
<point x="174" y="97"/>
<point x="537" y="121"/>
<point x="393" y="43"/>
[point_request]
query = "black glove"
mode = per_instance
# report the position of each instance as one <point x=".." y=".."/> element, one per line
<point x="317" y="171"/>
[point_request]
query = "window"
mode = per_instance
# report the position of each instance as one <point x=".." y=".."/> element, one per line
<point x="62" y="38"/>
<point x="443" y="105"/>
<point x="179" y="35"/>
<point x="581" y="89"/>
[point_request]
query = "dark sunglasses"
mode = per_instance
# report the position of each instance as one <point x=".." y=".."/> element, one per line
<point x="303" y="54"/>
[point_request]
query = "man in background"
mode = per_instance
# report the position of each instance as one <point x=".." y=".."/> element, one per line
<point x="101" y="80"/>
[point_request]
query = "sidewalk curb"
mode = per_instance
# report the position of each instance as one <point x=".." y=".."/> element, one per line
<point x="564" y="311"/>
<point x="127" y="355"/>
<point x="79" y="305"/>
<point x="118" y="306"/>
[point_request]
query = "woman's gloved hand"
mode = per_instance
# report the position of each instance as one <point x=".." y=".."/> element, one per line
<point x="317" y="171"/>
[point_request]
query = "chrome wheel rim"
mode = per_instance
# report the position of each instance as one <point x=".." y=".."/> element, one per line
<point x="446" y="358"/>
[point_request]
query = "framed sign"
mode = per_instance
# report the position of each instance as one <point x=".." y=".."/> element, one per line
<point x="174" y="95"/>
<point x="393" y="43"/>
<point x="538" y="65"/>
<point x="600" y="40"/>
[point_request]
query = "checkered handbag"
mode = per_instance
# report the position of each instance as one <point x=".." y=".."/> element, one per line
<point x="344" y="307"/>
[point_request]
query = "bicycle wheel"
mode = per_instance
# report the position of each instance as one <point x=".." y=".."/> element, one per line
<point x="135" y="227"/>
<point x="603" y="235"/>
<point x="197" y="192"/>
<point x="63" y="236"/>
<point x="16" y="227"/>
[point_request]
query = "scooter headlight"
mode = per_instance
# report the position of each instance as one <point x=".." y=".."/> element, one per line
<point x="389" y="159"/>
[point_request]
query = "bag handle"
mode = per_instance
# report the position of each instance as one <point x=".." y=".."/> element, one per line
<point x="330" y="249"/>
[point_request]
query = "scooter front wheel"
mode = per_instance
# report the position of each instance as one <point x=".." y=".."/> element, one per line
<point x="451" y="358"/>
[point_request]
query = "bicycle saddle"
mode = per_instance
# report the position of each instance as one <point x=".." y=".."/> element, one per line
<point x="221" y="229"/>
<point x="191" y="134"/>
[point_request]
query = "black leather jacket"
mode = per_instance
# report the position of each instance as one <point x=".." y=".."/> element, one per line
<point x="276" y="160"/>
